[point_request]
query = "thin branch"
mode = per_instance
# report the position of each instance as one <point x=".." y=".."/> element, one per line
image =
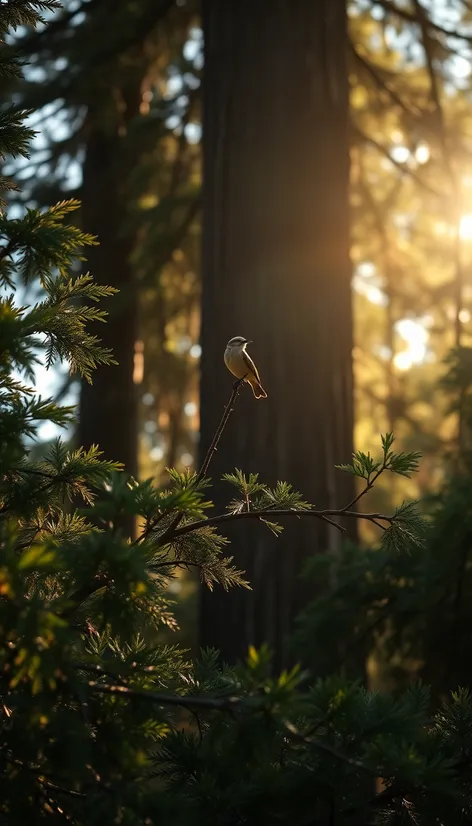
<point x="325" y="747"/>
<point x="55" y="480"/>
<point x="229" y="703"/>
<point x="223" y="518"/>
<point x="370" y="482"/>
<point x="219" y="430"/>
<point x="178" y="700"/>
<point x="408" y="17"/>
<point x="33" y="472"/>
<point x="169" y="533"/>
<point x="428" y="47"/>
<point x="375" y="74"/>
<point x="400" y="166"/>
<point x="53" y="787"/>
<point x="7" y="250"/>
<point x="79" y="596"/>
<point x="332" y="522"/>
<point x="42" y="778"/>
<point x="50" y="805"/>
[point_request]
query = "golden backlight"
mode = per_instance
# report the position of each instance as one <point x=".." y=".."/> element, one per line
<point x="465" y="227"/>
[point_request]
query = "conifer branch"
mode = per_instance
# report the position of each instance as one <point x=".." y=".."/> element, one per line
<point x="179" y="700"/>
<point x="308" y="740"/>
<point x="369" y="484"/>
<point x="6" y="250"/>
<point x="223" y="704"/>
<point x="77" y="598"/>
<point x="262" y="515"/>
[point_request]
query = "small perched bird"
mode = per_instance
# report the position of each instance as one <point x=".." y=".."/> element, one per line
<point x="241" y="365"/>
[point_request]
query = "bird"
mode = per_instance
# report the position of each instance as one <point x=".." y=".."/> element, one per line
<point x="240" y="364"/>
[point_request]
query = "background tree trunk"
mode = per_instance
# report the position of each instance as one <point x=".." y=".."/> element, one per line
<point x="108" y="411"/>
<point x="276" y="269"/>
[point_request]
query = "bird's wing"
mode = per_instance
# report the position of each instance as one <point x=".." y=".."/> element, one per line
<point x="251" y="366"/>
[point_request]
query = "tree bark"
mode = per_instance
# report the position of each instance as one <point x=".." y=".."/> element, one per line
<point x="108" y="409"/>
<point x="276" y="269"/>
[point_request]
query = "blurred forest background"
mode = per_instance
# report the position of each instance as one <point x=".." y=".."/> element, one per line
<point x="117" y="93"/>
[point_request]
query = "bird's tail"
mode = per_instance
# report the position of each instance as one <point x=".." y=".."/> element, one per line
<point x="258" y="389"/>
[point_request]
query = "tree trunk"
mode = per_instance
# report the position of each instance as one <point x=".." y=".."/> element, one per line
<point x="276" y="269"/>
<point x="108" y="411"/>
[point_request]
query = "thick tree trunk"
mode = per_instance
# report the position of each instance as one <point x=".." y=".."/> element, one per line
<point x="276" y="269"/>
<point x="108" y="411"/>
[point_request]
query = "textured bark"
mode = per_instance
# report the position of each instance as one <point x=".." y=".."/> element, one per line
<point x="108" y="411"/>
<point x="276" y="269"/>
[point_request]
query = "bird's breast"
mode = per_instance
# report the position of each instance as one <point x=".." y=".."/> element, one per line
<point x="235" y="362"/>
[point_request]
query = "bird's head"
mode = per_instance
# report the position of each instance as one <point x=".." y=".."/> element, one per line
<point x="238" y="341"/>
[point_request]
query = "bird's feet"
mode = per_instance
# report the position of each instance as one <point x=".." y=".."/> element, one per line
<point x="237" y="384"/>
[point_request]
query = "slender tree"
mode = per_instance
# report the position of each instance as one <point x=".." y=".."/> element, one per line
<point x="276" y="269"/>
<point x="110" y="103"/>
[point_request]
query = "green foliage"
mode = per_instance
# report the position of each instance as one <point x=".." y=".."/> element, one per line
<point x="403" y="607"/>
<point x="314" y="756"/>
<point x="364" y="466"/>
<point x="43" y="241"/>
<point x="407" y="529"/>
<point x="16" y="13"/>
<point x="14" y="135"/>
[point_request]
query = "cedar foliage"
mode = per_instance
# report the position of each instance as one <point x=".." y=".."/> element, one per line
<point x="97" y="726"/>
<point x="409" y="613"/>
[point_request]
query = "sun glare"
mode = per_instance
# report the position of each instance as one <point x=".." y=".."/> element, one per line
<point x="422" y="154"/>
<point x="403" y="361"/>
<point x="415" y="337"/>
<point x="413" y="332"/>
<point x="465" y="227"/>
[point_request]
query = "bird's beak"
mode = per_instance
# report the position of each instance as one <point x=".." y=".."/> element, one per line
<point x="249" y="341"/>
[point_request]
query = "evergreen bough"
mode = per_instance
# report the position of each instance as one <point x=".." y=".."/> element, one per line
<point x="97" y="725"/>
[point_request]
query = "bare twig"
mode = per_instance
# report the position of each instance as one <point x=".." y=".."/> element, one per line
<point x="219" y="430"/>
<point x="400" y="166"/>
<point x="376" y="76"/>
<point x="170" y="531"/>
<point x="408" y="17"/>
